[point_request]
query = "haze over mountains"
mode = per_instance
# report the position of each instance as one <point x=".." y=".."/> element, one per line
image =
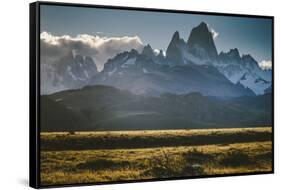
<point x="108" y="108"/>
<point x="193" y="65"/>
<point x="191" y="85"/>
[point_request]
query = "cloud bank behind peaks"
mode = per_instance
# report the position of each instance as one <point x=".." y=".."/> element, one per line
<point x="265" y="64"/>
<point x="99" y="48"/>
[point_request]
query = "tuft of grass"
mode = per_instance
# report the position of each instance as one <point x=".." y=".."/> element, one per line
<point x="195" y="156"/>
<point x="71" y="133"/>
<point x="102" y="164"/>
<point x="236" y="159"/>
<point x="169" y="165"/>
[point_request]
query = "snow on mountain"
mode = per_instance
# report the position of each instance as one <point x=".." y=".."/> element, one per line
<point x="200" y="49"/>
<point x="243" y="70"/>
<point x="152" y="71"/>
<point x="133" y="62"/>
<point x="149" y="74"/>
<point x="257" y="84"/>
<point x="129" y="62"/>
<point x="69" y="72"/>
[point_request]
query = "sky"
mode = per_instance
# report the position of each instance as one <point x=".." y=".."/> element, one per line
<point x="249" y="35"/>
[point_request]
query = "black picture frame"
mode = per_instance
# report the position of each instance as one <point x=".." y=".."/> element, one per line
<point x="34" y="93"/>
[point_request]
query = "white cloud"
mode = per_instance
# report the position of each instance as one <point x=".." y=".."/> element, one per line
<point x="99" y="48"/>
<point x="99" y="32"/>
<point x="156" y="51"/>
<point x="214" y="33"/>
<point x="265" y="64"/>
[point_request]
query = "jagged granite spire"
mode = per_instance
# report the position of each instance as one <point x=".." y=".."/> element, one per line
<point x="175" y="50"/>
<point x="176" y="36"/>
<point x="201" y="42"/>
<point x="148" y="51"/>
<point x="231" y="56"/>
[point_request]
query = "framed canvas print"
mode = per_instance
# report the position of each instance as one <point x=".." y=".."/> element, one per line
<point x="121" y="94"/>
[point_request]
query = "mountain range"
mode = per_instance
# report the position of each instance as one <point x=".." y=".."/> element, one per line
<point x="188" y="66"/>
<point x="191" y="85"/>
<point x="108" y="108"/>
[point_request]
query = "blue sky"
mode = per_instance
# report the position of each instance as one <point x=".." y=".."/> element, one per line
<point x="249" y="35"/>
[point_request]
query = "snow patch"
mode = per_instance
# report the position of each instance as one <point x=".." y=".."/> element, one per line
<point x="86" y="74"/>
<point x="111" y="72"/>
<point x="129" y="62"/>
<point x="257" y="84"/>
<point x="70" y="73"/>
<point x="145" y="71"/>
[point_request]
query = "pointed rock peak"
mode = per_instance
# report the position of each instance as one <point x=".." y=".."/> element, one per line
<point x="147" y="47"/>
<point x="231" y="55"/>
<point x="176" y="47"/>
<point x="134" y="52"/>
<point x="203" y="25"/>
<point x="234" y="52"/>
<point x="201" y="38"/>
<point x="201" y="30"/>
<point x="248" y="58"/>
<point x="176" y="40"/>
<point x="147" y="50"/>
<point x="176" y="36"/>
<point x="161" y="53"/>
<point x="250" y="61"/>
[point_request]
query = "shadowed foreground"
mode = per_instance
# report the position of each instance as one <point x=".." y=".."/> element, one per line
<point x="89" y="157"/>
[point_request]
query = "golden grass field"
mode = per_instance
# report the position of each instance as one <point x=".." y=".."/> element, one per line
<point x="91" y="157"/>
